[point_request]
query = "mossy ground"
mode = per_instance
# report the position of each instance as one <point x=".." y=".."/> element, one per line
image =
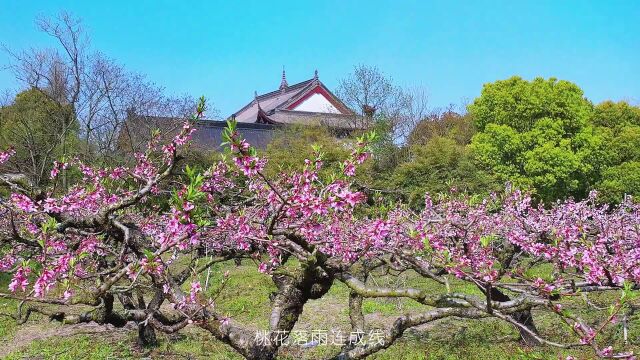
<point x="246" y="298"/>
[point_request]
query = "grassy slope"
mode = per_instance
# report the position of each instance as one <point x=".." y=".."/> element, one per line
<point x="245" y="298"/>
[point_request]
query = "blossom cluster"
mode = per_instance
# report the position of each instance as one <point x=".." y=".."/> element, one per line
<point x="233" y="208"/>
<point x="5" y="155"/>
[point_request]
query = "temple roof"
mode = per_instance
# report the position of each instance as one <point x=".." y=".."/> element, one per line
<point x="279" y="106"/>
<point x="313" y="118"/>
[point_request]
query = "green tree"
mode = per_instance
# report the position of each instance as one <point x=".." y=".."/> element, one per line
<point x="621" y="122"/>
<point x="448" y="124"/>
<point x="615" y="114"/>
<point x="625" y="145"/>
<point x="620" y="180"/>
<point x="536" y="135"/>
<point x="519" y="103"/>
<point x="438" y="167"/>
<point x="41" y="130"/>
<point x="293" y="144"/>
<point x="387" y="155"/>
<point x="620" y="174"/>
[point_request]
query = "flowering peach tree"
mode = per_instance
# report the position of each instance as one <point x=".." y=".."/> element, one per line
<point x="126" y="245"/>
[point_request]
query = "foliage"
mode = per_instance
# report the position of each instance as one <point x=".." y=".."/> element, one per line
<point x="535" y="135"/>
<point x="620" y="180"/>
<point x="41" y="131"/>
<point x="439" y="166"/>
<point x="386" y="154"/>
<point x="460" y="128"/>
<point x="626" y="144"/>
<point x="292" y="145"/>
<point x="615" y="115"/>
<point x="618" y="124"/>
<point x="520" y="104"/>
<point x="434" y="160"/>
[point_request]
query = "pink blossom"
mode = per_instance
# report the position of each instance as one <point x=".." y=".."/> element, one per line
<point x="7" y="262"/>
<point x="242" y="146"/>
<point x="57" y="166"/>
<point x="608" y="351"/>
<point x="187" y="206"/>
<point x="117" y="173"/>
<point x="5" y="155"/>
<point x="362" y="157"/>
<point x="44" y="282"/>
<point x="349" y="169"/>
<point x="195" y="289"/>
<point x="351" y="198"/>
<point x="249" y="165"/>
<point x="23" y="203"/>
<point x="20" y="279"/>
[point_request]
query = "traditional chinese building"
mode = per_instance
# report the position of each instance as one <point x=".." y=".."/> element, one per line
<point x="307" y="102"/>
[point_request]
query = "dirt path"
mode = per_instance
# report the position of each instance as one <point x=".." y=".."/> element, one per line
<point x="29" y="333"/>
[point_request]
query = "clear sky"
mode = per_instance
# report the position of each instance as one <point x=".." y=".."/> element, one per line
<point x="227" y="49"/>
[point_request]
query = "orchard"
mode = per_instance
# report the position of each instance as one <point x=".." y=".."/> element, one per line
<point x="129" y="245"/>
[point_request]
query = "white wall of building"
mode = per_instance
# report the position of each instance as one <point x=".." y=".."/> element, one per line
<point x="317" y="103"/>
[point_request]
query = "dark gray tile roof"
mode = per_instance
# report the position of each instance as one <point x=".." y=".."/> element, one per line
<point x="209" y="133"/>
<point x="314" y="118"/>
<point x="136" y="132"/>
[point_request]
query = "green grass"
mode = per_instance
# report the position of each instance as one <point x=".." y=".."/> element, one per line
<point x="245" y="297"/>
<point x="245" y="293"/>
<point x="370" y="306"/>
<point x="195" y="344"/>
<point x="73" y="348"/>
<point x="7" y="325"/>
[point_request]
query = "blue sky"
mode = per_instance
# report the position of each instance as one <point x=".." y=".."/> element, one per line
<point x="227" y="49"/>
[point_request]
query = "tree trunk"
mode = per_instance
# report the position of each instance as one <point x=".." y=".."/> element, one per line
<point x="526" y="318"/>
<point x="523" y="317"/>
<point x="147" y="336"/>
<point x="355" y="312"/>
<point x="356" y="317"/>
